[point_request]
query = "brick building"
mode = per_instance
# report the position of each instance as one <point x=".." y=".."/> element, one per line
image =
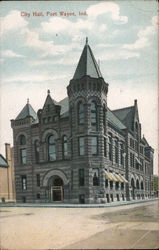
<point x="78" y="150"/>
<point x="7" y="185"/>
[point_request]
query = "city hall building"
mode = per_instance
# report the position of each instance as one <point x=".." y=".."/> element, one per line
<point x="78" y="150"/>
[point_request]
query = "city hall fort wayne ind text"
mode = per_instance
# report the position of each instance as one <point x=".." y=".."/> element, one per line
<point x="78" y="150"/>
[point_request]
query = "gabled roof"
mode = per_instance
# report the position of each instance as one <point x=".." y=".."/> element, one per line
<point x="87" y="64"/>
<point x="27" y="111"/>
<point x="126" y="115"/>
<point x="49" y="100"/>
<point x="113" y="119"/>
<point x="145" y="141"/>
<point x="3" y="162"/>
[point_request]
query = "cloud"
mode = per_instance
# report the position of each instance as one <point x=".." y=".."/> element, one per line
<point x="10" y="54"/>
<point x="59" y="25"/>
<point x="12" y="22"/>
<point x="144" y="36"/>
<point x="116" y="54"/>
<point x="33" y="78"/>
<point x="32" y="40"/>
<point x="105" y="8"/>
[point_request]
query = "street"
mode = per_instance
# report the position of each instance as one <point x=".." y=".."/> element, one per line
<point x="126" y="227"/>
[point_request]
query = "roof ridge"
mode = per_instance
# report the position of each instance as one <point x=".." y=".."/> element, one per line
<point x="95" y="63"/>
<point x="123" y="108"/>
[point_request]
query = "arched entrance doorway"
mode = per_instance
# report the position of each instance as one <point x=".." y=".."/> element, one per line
<point x="56" y="189"/>
<point x="55" y="184"/>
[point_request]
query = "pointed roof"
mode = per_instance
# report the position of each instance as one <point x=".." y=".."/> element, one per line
<point x="3" y="162"/>
<point x="27" y="111"/>
<point x="87" y="64"/>
<point x="126" y="115"/>
<point x="49" y="100"/>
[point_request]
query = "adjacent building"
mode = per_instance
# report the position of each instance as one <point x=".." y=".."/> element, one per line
<point x="78" y="150"/>
<point x="7" y="187"/>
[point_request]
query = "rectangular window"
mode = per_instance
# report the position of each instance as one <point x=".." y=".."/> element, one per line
<point x="121" y="154"/>
<point x="52" y="153"/>
<point x="38" y="180"/>
<point x="105" y="147"/>
<point x="23" y="155"/>
<point x="94" y="145"/>
<point x="24" y="182"/>
<point x="132" y="160"/>
<point x="81" y="146"/>
<point x="110" y="148"/>
<point x="117" y="185"/>
<point x="111" y="184"/>
<point x="122" y="185"/>
<point x="142" y="164"/>
<point x="141" y="150"/>
<point x="106" y="183"/>
<point x="116" y="151"/>
<point x="81" y="177"/>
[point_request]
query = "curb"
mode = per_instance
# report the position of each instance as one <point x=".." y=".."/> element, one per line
<point x="50" y="205"/>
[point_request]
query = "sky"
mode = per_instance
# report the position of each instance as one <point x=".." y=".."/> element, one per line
<point x="38" y="53"/>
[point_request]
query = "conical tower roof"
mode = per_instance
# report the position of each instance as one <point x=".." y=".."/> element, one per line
<point x="27" y="111"/>
<point x="87" y="64"/>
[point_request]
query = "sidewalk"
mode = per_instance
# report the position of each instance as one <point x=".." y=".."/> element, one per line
<point x="63" y="205"/>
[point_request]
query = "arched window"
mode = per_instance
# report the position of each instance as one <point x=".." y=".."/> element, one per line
<point x="93" y="113"/>
<point x="23" y="155"/>
<point x="51" y="148"/>
<point x="65" y="147"/>
<point x="142" y="185"/>
<point x="80" y="113"/>
<point x="137" y="184"/>
<point x="37" y="151"/>
<point x="22" y="140"/>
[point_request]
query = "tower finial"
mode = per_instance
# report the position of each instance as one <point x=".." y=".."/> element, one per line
<point x="86" y="40"/>
<point x="48" y="91"/>
<point x="27" y="100"/>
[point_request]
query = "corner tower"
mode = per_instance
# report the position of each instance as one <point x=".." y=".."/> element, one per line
<point x="87" y="94"/>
